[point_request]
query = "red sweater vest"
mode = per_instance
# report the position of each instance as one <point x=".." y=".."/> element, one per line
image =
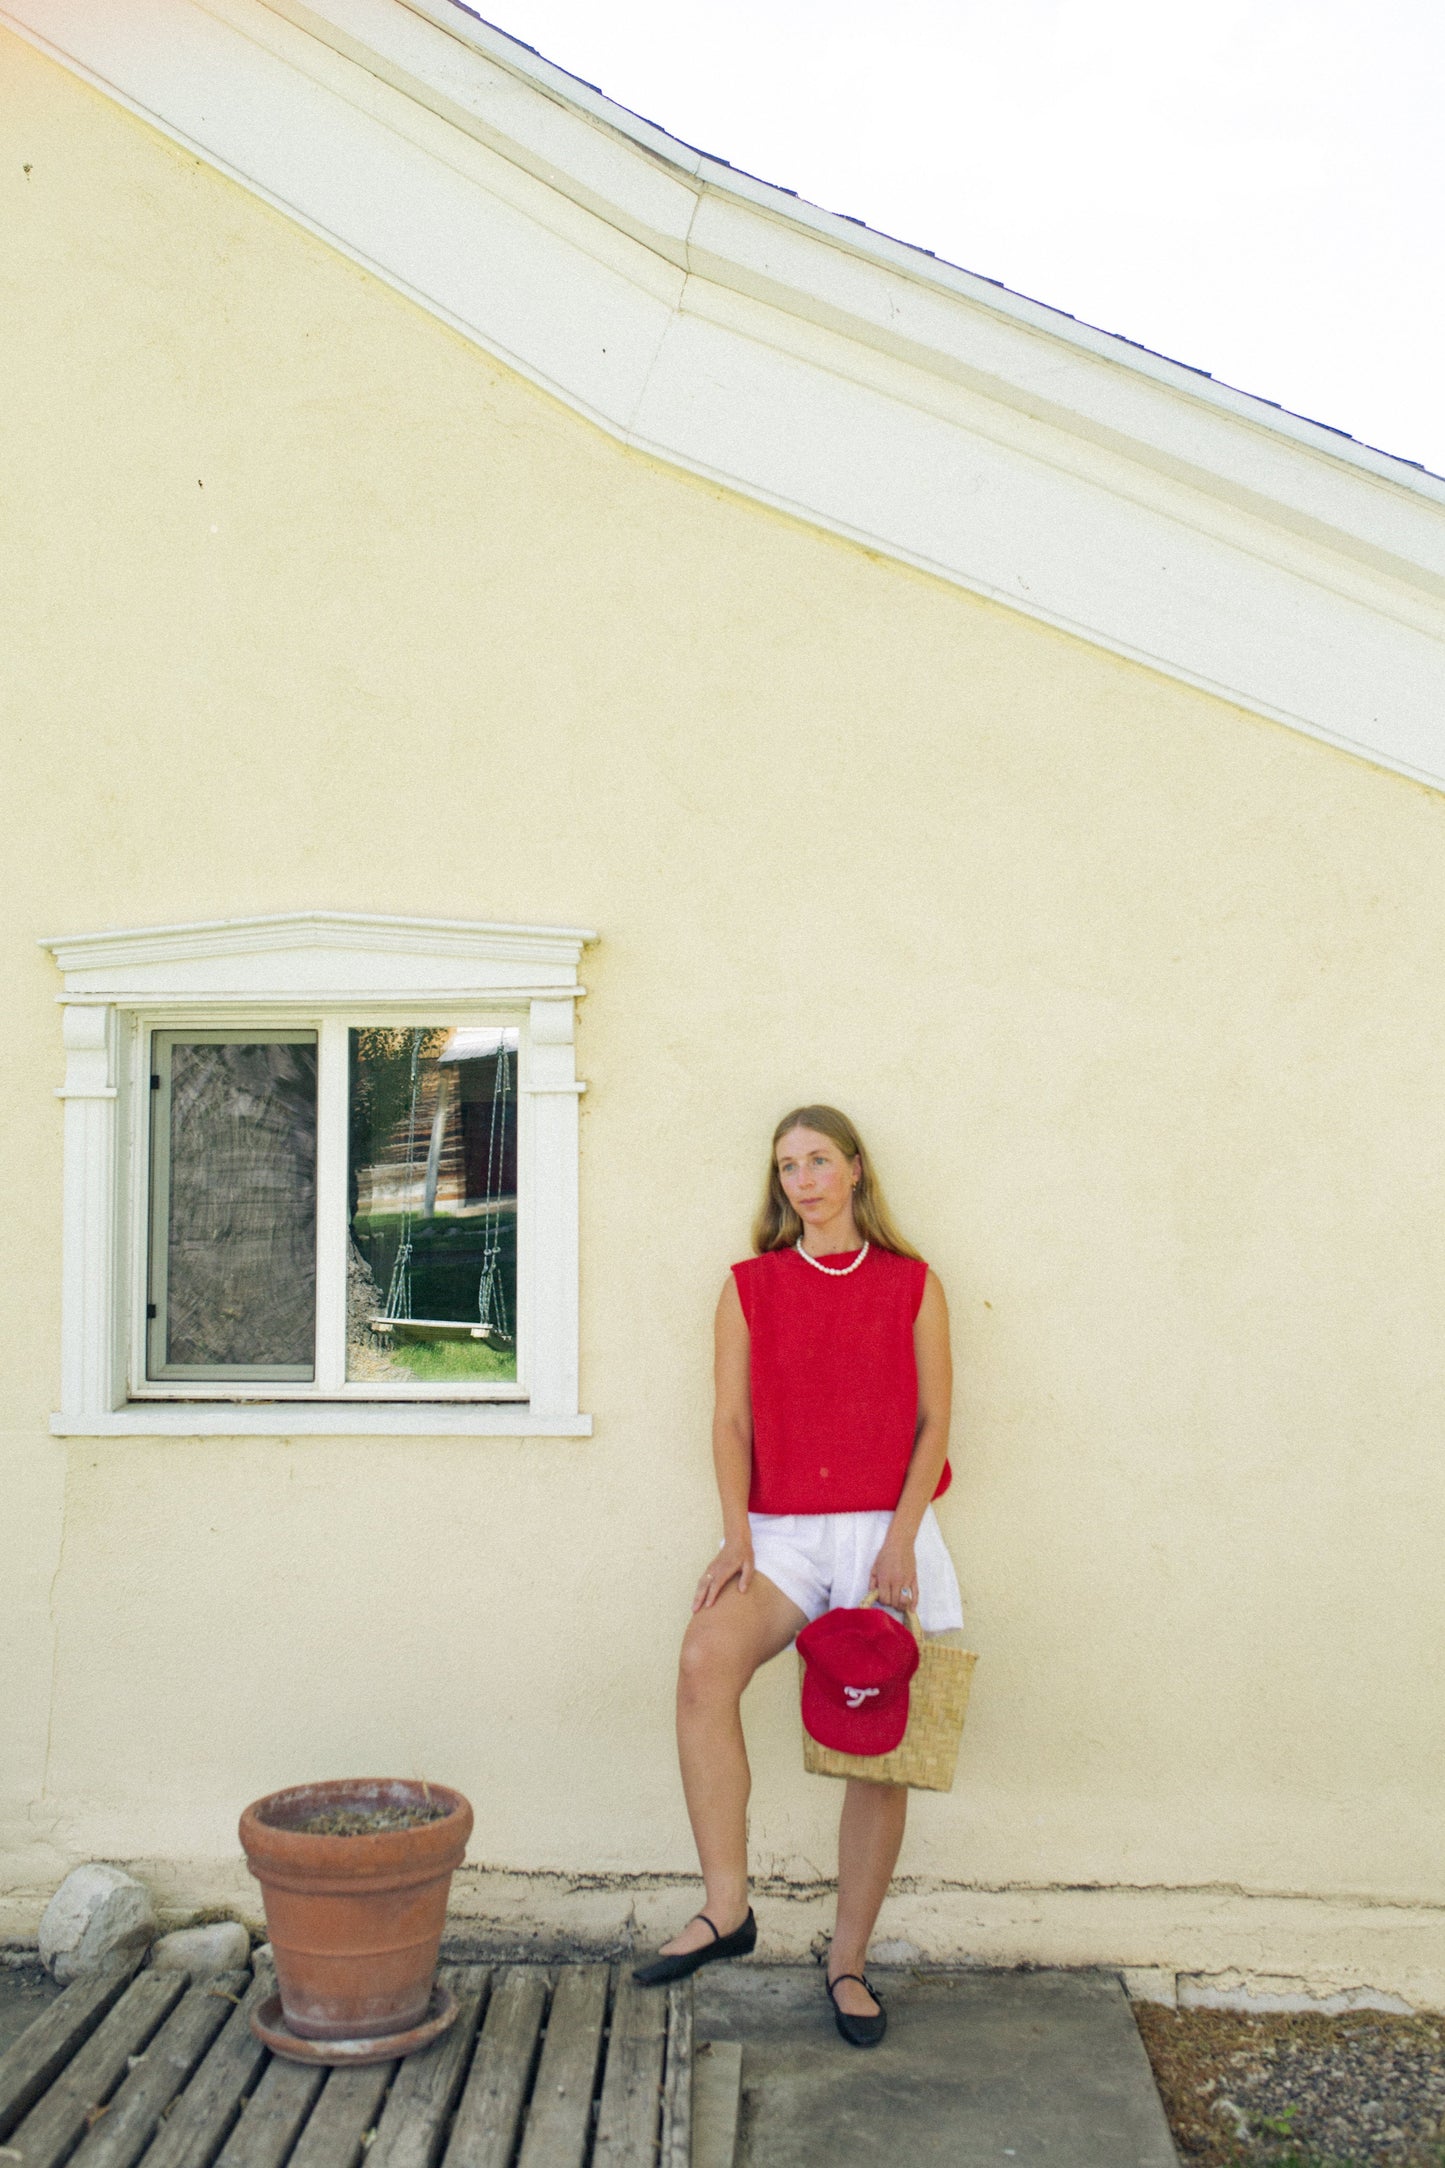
<point x="834" y="1381"/>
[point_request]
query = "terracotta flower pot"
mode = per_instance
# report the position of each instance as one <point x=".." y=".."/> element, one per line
<point x="355" y="1922"/>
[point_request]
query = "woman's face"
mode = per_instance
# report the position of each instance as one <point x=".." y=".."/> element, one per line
<point x="817" y="1180"/>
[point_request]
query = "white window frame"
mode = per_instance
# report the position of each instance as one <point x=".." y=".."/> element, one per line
<point x="325" y="971"/>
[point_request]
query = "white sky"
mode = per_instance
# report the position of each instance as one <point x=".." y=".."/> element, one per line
<point x="1255" y="187"/>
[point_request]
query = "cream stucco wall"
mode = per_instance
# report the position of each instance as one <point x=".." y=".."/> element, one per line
<point x="1137" y="997"/>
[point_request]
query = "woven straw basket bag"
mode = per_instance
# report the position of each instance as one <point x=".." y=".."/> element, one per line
<point x="926" y="1757"/>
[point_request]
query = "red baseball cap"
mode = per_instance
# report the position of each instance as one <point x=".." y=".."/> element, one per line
<point x="855" y="1682"/>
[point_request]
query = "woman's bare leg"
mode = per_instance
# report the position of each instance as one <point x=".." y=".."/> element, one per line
<point x="870" y="1833"/>
<point x="722" y="1648"/>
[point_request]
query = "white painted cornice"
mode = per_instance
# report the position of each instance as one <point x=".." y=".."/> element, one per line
<point x="726" y="327"/>
<point x="303" y="955"/>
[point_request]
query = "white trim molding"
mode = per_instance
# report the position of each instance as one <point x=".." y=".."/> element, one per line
<point x="321" y="1419"/>
<point x="317" y="967"/>
<point x="813" y="365"/>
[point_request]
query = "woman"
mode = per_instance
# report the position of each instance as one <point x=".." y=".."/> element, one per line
<point x="830" y="1439"/>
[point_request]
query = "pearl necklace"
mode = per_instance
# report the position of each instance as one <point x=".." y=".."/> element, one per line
<point x="832" y="1272"/>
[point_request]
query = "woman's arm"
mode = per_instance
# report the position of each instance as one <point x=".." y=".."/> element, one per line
<point x="732" y="1448"/>
<point x="895" y="1568"/>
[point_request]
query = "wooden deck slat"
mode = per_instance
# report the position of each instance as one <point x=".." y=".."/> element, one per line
<point x="171" y="2076"/>
<point x="272" y="2118"/>
<point x="37" y="2058"/>
<point x="717" y="2093"/>
<point x="413" y="2125"/>
<point x="128" y="2125"/>
<point x="484" y="2134"/>
<point x="194" y="2130"/>
<point x="675" y="2148"/>
<point x="52" y="2129"/>
<point x="559" y="2119"/>
<point x="630" y="2110"/>
<point x="336" y="2130"/>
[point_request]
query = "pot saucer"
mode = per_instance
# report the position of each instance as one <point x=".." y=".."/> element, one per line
<point x="271" y="2029"/>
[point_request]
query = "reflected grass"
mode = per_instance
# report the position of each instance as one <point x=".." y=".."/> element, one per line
<point x="454" y="1362"/>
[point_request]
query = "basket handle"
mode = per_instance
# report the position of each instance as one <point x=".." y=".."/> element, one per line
<point x="912" y="1616"/>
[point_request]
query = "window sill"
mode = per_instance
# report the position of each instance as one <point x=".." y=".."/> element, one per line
<point x="321" y="1419"/>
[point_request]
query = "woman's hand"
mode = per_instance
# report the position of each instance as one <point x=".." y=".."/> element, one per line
<point x="895" y="1575"/>
<point x="735" y="1559"/>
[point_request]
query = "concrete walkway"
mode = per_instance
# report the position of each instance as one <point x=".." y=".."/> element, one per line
<point x="1012" y="2069"/>
<point x="25" y="1990"/>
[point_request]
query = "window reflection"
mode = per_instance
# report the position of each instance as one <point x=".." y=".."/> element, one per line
<point x="432" y="1270"/>
<point x="233" y="1232"/>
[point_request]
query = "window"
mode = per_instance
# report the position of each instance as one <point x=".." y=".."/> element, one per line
<point x="432" y="1204"/>
<point x="321" y="1174"/>
<point x="233" y="1207"/>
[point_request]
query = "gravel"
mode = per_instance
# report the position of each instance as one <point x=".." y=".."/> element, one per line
<point x="1361" y="2090"/>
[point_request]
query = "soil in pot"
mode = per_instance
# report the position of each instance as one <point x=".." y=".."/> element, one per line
<point x="351" y="1823"/>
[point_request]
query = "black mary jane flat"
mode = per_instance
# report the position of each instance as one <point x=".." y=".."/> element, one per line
<point x="740" y="1943"/>
<point x="859" y="2032"/>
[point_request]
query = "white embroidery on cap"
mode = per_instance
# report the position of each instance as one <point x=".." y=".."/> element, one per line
<point x="855" y="1696"/>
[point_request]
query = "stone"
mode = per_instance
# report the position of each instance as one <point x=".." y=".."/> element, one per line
<point x="220" y="1946"/>
<point x="98" y="1914"/>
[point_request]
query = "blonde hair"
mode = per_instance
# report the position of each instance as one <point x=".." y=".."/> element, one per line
<point x="778" y="1227"/>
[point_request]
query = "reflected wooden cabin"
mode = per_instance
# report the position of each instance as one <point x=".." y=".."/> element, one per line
<point x="437" y="1161"/>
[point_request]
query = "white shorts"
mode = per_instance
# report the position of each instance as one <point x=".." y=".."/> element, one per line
<point x="821" y="1562"/>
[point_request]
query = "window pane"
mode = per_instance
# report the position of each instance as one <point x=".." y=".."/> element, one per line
<point x="432" y="1279"/>
<point x="234" y="1238"/>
